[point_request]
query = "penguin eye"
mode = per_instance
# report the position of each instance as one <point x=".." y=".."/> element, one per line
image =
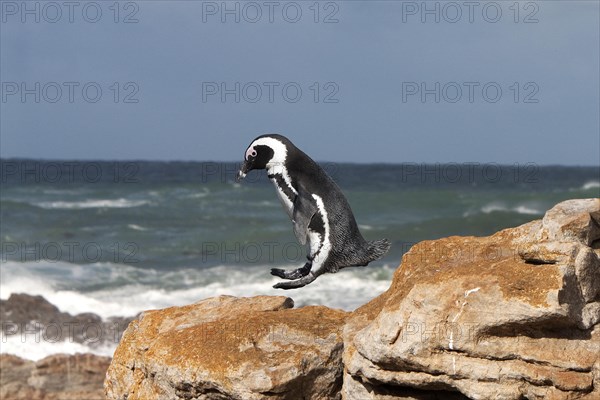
<point x="251" y="152"/>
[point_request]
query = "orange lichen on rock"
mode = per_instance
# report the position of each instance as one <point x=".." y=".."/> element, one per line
<point x="234" y="347"/>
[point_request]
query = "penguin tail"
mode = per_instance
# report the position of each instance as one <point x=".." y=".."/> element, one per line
<point x="377" y="249"/>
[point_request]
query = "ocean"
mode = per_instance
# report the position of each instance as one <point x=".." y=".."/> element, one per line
<point x="118" y="237"/>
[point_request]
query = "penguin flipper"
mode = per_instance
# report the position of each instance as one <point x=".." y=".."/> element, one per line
<point x="304" y="209"/>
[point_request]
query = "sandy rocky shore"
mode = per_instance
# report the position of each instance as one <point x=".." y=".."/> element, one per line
<point x="515" y="315"/>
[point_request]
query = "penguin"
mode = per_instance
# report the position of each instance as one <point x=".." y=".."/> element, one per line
<point x="319" y="211"/>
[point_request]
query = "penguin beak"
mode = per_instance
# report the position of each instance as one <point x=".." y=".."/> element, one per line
<point x="242" y="172"/>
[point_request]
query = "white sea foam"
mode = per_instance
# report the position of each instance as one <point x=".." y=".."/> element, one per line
<point x="136" y="227"/>
<point x="136" y="289"/>
<point x="591" y="185"/>
<point x="92" y="203"/>
<point x="521" y="209"/>
<point x="49" y="280"/>
<point x="526" y="210"/>
<point x="346" y="290"/>
<point x="33" y="346"/>
<point x="489" y="208"/>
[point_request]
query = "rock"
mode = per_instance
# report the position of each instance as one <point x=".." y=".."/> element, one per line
<point x="230" y="348"/>
<point x="27" y="315"/>
<point x="573" y="220"/>
<point x="21" y="308"/>
<point x="57" y="377"/>
<point x="510" y="316"/>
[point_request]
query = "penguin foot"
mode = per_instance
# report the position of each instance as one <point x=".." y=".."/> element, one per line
<point x="297" y="283"/>
<point x="279" y="272"/>
<point x="295" y="274"/>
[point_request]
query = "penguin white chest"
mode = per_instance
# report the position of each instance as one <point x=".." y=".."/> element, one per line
<point x="319" y="242"/>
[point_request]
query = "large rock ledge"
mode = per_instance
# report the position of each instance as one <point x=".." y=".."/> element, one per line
<point x="515" y="315"/>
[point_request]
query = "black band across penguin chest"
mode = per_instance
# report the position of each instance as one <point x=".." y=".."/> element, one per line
<point x="317" y="224"/>
<point x="285" y="192"/>
<point x="283" y="186"/>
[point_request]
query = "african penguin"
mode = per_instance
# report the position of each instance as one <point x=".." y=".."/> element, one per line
<point x="317" y="207"/>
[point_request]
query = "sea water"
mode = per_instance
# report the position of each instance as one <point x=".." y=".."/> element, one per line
<point x="117" y="238"/>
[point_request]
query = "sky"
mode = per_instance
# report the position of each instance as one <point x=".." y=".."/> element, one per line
<point x="347" y="81"/>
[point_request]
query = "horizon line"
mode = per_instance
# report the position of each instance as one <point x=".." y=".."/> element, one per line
<point x="140" y="160"/>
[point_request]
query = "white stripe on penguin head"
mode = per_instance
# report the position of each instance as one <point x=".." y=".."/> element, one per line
<point x="276" y="164"/>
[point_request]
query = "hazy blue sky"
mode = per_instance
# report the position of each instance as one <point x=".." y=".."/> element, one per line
<point x="380" y="81"/>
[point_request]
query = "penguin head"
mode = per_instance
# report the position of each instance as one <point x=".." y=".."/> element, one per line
<point x="265" y="152"/>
